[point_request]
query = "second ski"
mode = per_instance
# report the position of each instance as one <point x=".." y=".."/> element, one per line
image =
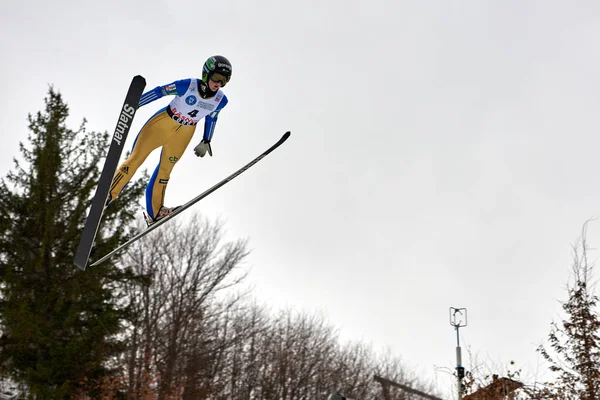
<point x="194" y="200"/>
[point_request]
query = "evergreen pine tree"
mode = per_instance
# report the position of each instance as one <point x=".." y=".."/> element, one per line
<point x="59" y="325"/>
<point x="575" y="342"/>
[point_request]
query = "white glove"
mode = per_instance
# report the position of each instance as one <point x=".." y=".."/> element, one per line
<point x="202" y="148"/>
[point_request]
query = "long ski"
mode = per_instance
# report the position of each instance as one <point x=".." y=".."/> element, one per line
<point x="130" y="106"/>
<point x="193" y="201"/>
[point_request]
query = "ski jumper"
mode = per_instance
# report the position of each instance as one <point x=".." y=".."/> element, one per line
<point x="172" y="127"/>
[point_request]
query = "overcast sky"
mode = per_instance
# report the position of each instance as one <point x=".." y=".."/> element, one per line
<point x="443" y="153"/>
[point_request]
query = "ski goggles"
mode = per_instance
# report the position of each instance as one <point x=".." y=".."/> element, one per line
<point x="219" y="78"/>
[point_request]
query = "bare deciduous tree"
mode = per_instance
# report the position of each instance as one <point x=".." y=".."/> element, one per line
<point x="186" y="265"/>
<point x="191" y="337"/>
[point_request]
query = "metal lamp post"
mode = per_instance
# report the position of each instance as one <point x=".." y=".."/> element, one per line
<point x="458" y="319"/>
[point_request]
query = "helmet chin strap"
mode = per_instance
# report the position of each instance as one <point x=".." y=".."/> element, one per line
<point x="205" y="91"/>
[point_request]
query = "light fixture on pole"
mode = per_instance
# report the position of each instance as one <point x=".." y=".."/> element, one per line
<point x="458" y="319"/>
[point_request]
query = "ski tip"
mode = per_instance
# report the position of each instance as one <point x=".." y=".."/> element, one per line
<point x="140" y="79"/>
<point x="283" y="139"/>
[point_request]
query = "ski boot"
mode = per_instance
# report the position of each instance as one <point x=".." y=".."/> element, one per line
<point x="163" y="212"/>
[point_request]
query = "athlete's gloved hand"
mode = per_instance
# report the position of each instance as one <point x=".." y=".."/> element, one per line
<point x="202" y="148"/>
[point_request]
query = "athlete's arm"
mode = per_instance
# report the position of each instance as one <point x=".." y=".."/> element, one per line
<point x="176" y="88"/>
<point x="209" y="127"/>
<point x="211" y="120"/>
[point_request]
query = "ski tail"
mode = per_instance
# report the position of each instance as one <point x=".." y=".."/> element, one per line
<point x="194" y="200"/>
<point x="115" y="150"/>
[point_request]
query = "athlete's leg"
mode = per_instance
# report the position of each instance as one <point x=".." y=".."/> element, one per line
<point x="153" y="134"/>
<point x="172" y="151"/>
